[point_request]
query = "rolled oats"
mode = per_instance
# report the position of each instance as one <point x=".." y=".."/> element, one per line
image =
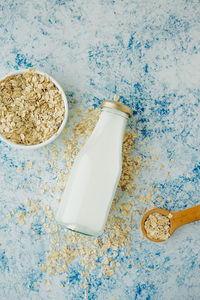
<point x="157" y="226"/>
<point x="31" y="108"/>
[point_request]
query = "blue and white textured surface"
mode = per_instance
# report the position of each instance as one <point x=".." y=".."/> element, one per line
<point x="149" y="53"/>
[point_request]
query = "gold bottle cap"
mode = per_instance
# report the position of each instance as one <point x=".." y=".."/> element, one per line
<point x="119" y="106"/>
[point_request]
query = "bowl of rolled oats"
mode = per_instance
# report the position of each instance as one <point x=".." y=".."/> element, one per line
<point x="33" y="109"/>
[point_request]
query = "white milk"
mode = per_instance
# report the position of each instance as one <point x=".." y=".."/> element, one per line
<point x="94" y="176"/>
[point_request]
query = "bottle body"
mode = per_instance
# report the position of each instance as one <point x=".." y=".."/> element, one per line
<point x="94" y="176"/>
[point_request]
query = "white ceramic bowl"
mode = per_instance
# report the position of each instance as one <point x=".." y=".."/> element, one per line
<point x="30" y="147"/>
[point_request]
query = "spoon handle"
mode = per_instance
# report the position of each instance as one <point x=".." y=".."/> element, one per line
<point x="187" y="216"/>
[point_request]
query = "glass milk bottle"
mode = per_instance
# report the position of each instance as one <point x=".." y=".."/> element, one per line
<point x="95" y="173"/>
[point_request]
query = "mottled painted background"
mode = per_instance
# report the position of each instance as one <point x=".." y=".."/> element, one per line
<point x="148" y="52"/>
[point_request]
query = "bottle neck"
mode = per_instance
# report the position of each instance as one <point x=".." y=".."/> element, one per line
<point x="112" y="124"/>
<point x="116" y="112"/>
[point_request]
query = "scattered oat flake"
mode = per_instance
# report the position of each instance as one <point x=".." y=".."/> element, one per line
<point x="8" y="216"/>
<point x="116" y="97"/>
<point x="162" y="166"/>
<point x="21" y="221"/>
<point x="46" y="283"/>
<point x="189" y="175"/>
<point x="20" y="168"/>
<point x="28" y="202"/>
<point x="148" y="148"/>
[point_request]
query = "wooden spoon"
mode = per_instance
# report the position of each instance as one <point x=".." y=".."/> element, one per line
<point x="176" y="220"/>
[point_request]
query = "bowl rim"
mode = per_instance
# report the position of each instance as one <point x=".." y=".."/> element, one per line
<point x="51" y="139"/>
